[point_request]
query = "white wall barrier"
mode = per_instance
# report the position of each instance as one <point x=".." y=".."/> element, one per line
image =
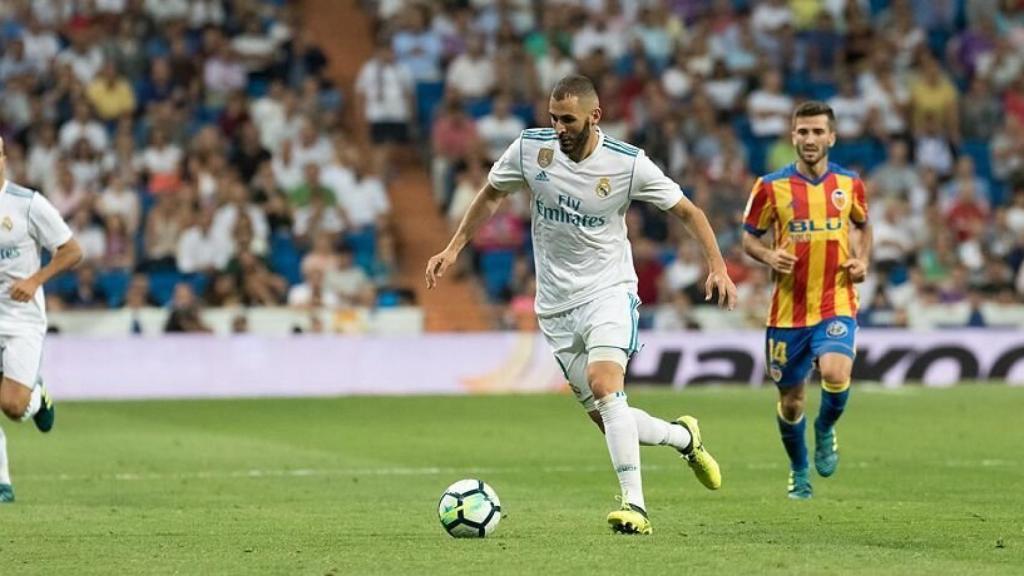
<point x="189" y="366"/>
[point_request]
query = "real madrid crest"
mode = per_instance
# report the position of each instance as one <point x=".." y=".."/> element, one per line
<point x="839" y="198"/>
<point x="8" y="224"/>
<point x="544" y="156"/>
<point x="604" y="188"/>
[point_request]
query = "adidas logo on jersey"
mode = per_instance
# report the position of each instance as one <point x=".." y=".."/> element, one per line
<point x="542" y="176"/>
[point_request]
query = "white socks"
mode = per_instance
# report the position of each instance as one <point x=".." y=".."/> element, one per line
<point x="657" y="432"/>
<point x="5" y="472"/>
<point x="620" y="432"/>
<point x="33" y="404"/>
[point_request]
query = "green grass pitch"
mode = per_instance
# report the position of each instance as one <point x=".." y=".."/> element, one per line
<point x="930" y="482"/>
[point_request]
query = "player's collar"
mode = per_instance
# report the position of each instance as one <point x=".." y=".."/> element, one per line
<point x="809" y="180"/>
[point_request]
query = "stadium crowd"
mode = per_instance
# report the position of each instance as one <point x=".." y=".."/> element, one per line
<point x="928" y="94"/>
<point x="197" y="147"/>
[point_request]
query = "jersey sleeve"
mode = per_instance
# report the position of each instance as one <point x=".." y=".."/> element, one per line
<point x="651" y="185"/>
<point x="507" y="172"/>
<point x="859" y="209"/>
<point x="45" y="224"/>
<point x="757" y="217"/>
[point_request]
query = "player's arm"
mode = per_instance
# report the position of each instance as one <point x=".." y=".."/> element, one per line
<point x="857" y="264"/>
<point x="484" y="205"/>
<point x="779" y="259"/>
<point x="65" y="258"/>
<point x="697" y="224"/>
<point x="506" y="176"/>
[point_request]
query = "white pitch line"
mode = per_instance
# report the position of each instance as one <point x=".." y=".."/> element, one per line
<point x="427" y="471"/>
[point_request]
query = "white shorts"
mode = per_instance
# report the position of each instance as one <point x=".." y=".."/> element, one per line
<point x="21" y="356"/>
<point x="610" y="320"/>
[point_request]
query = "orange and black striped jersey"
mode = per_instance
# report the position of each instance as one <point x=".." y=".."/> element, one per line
<point x="815" y="217"/>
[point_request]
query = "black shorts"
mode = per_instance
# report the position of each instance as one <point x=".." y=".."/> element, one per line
<point x="389" y="132"/>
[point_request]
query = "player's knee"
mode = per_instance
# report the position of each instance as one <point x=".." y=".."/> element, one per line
<point x="12" y="406"/>
<point x="791" y="408"/>
<point x="835" y="375"/>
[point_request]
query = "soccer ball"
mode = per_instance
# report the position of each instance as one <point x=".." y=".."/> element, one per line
<point x="469" y="509"/>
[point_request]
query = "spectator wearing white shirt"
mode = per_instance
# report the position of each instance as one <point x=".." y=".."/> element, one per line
<point x="385" y="96"/>
<point x="319" y="216"/>
<point x="311" y="147"/>
<point x="769" y="108"/>
<point x="223" y="74"/>
<point x="199" y="249"/>
<point x="499" y="128"/>
<point x="43" y="154"/>
<point x="160" y="157"/>
<point x="365" y="203"/>
<point x="239" y="206"/>
<point x="770" y="16"/>
<point x="312" y="293"/>
<point x="119" y="199"/>
<point x="84" y="58"/>
<point x="472" y="73"/>
<point x="553" y="66"/>
<point x="287" y="172"/>
<point x="41" y="44"/>
<point x="83" y="125"/>
<point x="255" y="48"/>
<point x="267" y="114"/>
<point x="851" y="110"/>
<point x="63" y="192"/>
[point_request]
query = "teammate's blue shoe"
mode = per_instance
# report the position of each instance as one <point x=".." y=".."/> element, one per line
<point x="6" y="493"/>
<point x="47" y="413"/>
<point x="826" y="450"/>
<point x="800" y="485"/>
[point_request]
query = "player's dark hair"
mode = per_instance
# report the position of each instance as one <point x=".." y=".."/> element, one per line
<point x="574" y="85"/>
<point x="815" y="108"/>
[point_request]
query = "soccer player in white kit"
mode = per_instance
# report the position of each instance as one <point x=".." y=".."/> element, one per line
<point x="581" y="183"/>
<point x="28" y="222"/>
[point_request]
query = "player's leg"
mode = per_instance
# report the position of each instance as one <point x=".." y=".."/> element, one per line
<point x="789" y="361"/>
<point x="22" y="393"/>
<point x="835" y="347"/>
<point x="606" y="378"/>
<point x="6" y="490"/>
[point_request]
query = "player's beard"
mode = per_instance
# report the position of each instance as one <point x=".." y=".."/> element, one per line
<point x="810" y="158"/>
<point x="572" y="146"/>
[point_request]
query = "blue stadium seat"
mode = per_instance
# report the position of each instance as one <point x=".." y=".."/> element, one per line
<point x="285" y="258"/>
<point x="363" y="243"/>
<point x="496" y="266"/>
<point x="115" y="284"/>
<point x="161" y="285"/>
<point x="428" y="97"/>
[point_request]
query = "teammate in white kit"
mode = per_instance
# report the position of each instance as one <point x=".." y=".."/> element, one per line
<point x="28" y="222"/>
<point x="581" y="183"/>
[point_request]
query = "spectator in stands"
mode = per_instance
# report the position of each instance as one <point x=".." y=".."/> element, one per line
<point x="110" y="94"/>
<point x="119" y="245"/>
<point x="964" y="175"/>
<point x="554" y="65"/>
<point x="980" y="111"/>
<point x="851" y="110"/>
<point x="259" y="286"/>
<point x="454" y="140"/>
<point x="237" y="207"/>
<point x="43" y="154"/>
<point x="119" y="199"/>
<point x="418" y="47"/>
<point x="932" y="147"/>
<point x="499" y="128"/>
<point x="312" y="293"/>
<point x="64" y="192"/>
<point x="87" y="294"/>
<point x="769" y="108"/>
<point x="318" y="216"/>
<point x="472" y="73"/>
<point x="199" y="249"/>
<point x="896" y="178"/>
<point x="350" y="283"/>
<point x="164" y="224"/>
<point x="934" y="99"/>
<point x="185" y="311"/>
<point x="249" y="154"/>
<point x="83" y="125"/>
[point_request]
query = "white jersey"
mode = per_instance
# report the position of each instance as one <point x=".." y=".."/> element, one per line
<point x="578" y="210"/>
<point x="28" y="222"/>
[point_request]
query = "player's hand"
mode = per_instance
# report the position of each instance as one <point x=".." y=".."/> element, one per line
<point x="856" y="268"/>
<point x="25" y="289"/>
<point x="438" y="264"/>
<point x="781" y="259"/>
<point x="719" y="281"/>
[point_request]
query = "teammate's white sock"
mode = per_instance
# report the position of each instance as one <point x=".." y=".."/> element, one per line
<point x="34" y="402"/>
<point x="620" y="432"/>
<point x="5" y="472"/>
<point x="657" y="432"/>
